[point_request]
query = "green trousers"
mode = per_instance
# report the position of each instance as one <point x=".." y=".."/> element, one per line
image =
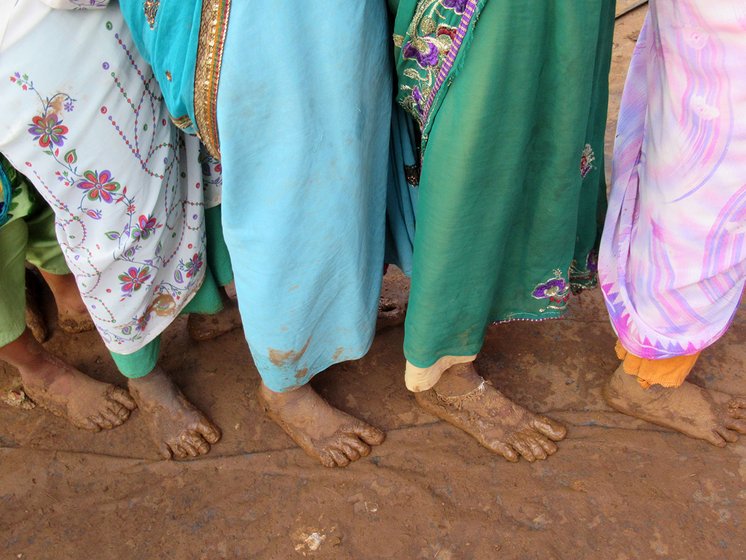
<point x="27" y="235"/>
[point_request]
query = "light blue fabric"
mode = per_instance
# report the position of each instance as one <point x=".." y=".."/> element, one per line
<point x="170" y="47"/>
<point x="304" y="110"/>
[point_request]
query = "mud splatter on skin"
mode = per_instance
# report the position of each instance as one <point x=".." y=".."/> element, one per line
<point x="325" y="433"/>
<point x="176" y="426"/>
<point x="700" y="413"/>
<point x="63" y="390"/>
<point x="465" y="400"/>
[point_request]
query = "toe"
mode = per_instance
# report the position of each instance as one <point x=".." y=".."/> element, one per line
<point x="727" y="435"/>
<point x="112" y="417"/>
<point x="553" y="430"/>
<point x="339" y="457"/>
<point x="178" y="451"/>
<point x="123" y="397"/>
<point x="504" y="450"/>
<point x="209" y="431"/>
<point x="537" y="449"/>
<point x="715" y="439"/>
<point x="737" y="408"/>
<point x="326" y="459"/>
<point x="523" y="448"/>
<point x="363" y="449"/>
<point x="736" y="425"/>
<point x="89" y="424"/>
<point x="102" y="422"/>
<point x="189" y="448"/>
<point x="118" y="410"/>
<point x="198" y="443"/>
<point x="549" y="447"/>
<point x="350" y="452"/>
<point x="369" y="434"/>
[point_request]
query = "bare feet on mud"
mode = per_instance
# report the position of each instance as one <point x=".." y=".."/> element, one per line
<point x="63" y="390"/>
<point x="72" y="314"/>
<point x="206" y="327"/>
<point x="325" y="433"/>
<point x="463" y="398"/>
<point x="696" y="412"/>
<point x="390" y="313"/>
<point x="177" y="427"/>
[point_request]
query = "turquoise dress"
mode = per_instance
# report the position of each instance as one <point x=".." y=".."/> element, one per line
<point x="296" y="101"/>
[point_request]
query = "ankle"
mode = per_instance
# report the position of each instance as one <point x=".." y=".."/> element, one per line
<point x="458" y="380"/>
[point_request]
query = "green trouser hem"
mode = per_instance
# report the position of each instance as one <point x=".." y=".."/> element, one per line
<point x="140" y="363"/>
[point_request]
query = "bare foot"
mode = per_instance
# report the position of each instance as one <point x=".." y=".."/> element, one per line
<point x="177" y="427"/>
<point x="325" y="433"/>
<point x="65" y="391"/>
<point x="72" y="314"/>
<point x="467" y="401"/>
<point x="699" y="413"/>
<point x="390" y="313"/>
<point x="207" y="327"/>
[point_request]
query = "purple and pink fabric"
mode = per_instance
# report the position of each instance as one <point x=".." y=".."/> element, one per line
<point x="673" y="255"/>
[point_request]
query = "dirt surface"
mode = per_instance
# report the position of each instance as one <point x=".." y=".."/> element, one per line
<point x="617" y="489"/>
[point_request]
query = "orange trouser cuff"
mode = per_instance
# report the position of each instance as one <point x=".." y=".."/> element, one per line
<point x="668" y="372"/>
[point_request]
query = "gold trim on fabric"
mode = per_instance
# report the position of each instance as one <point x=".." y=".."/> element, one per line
<point x="183" y="122"/>
<point x="212" y="31"/>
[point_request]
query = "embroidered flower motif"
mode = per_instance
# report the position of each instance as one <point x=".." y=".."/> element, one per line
<point x="586" y="161"/>
<point x="193" y="265"/>
<point x="458" y="6"/>
<point x="146" y="226"/>
<point x="99" y="185"/>
<point x="555" y="289"/>
<point x="69" y="105"/>
<point x="447" y="31"/>
<point x="134" y="279"/>
<point x="48" y="130"/>
<point x="424" y="52"/>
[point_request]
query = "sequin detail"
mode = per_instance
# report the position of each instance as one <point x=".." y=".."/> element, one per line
<point x="212" y="31"/>
<point x="150" y="7"/>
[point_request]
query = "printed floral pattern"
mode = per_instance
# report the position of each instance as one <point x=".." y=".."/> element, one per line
<point x="99" y="185"/>
<point x="130" y="218"/>
<point x="48" y="130"/>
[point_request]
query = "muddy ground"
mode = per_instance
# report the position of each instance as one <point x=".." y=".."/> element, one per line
<point x="618" y="489"/>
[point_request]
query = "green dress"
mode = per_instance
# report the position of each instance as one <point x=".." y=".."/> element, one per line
<point x="510" y="102"/>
